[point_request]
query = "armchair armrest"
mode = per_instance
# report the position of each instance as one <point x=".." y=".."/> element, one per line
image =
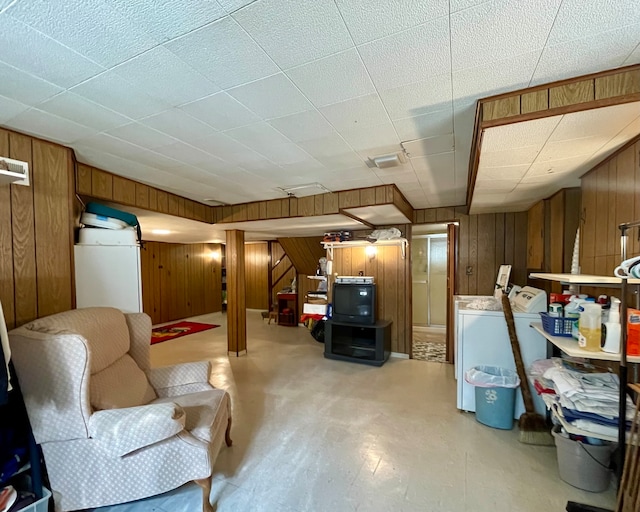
<point x="122" y="431"/>
<point x="179" y="375"/>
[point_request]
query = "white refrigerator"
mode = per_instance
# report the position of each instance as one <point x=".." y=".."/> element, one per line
<point x="482" y="338"/>
<point x="108" y="275"/>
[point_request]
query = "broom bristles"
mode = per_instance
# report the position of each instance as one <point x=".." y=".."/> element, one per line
<point x="534" y="430"/>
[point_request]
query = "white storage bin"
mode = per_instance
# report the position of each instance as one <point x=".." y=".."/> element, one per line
<point x="100" y="221"/>
<point x="42" y="505"/>
<point x="314" y="309"/>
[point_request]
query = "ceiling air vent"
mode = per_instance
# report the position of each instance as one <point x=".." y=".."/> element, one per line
<point x="13" y="171"/>
<point x="386" y="161"/>
<point x="310" y="189"/>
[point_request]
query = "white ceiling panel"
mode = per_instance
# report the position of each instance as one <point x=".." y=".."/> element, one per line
<point x="601" y="122"/>
<point x="380" y="214"/>
<point x="166" y="76"/>
<point x="587" y="55"/>
<point x="170" y="18"/>
<point x="49" y="126"/>
<point x="581" y="18"/>
<point x="459" y="5"/>
<point x="92" y="28"/>
<point x="570" y="148"/>
<point x="426" y="125"/>
<point x="431" y="95"/>
<point x="500" y="29"/>
<point x="224" y="53"/>
<point x="429" y="146"/>
<point x="533" y="133"/>
<point x="559" y="166"/>
<point x="372" y="19"/>
<point x="222" y="146"/>
<point x="110" y="144"/>
<point x="342" y="161"/>
<point x="409" y="56"/>
<point x="188" y="154"/>
<point x="356" y="113"/>
<point x="258" y="136"/>
<point x="178" y="124"/>
<point x="303" y="126"/>
<point x="82" y="111"/>
<point x="373" y="140"/>
<point x="221" y="111"/>
<point x="495" y="77"/>
<point x="333" y="79"/>
<point x="10" y="108"/>
<point x="116" y="93"/>
<point x="633" y="58"/>
<point x="346" y="184"/>
<point x="23" y="87"/>
<point x="435" y="173"/>
<point x="326" y="146"/>
<point x="514" y="172"/>
<point x="29" y="50"/>
<point x="141" y="135"/>
<point x="294" y="32"/>
<point x="270" y="97"/>
<point x="233" y="5"/>
<point x="509" y="157"/>
<point x="489" y="186"/>
<point x="285" y="153"/>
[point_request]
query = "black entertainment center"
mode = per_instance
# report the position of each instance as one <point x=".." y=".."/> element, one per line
<point x="353" y="334"/>
<point x="368" y="344"/>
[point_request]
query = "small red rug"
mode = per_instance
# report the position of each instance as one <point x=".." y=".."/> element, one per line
<point x="173" y="331"/>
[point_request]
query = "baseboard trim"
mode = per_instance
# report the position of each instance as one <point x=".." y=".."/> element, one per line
<point x="238" y="354"/>
<point x="399" y="355"/>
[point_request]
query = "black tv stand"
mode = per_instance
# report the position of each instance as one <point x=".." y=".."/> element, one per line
<point x="368" y="344"/>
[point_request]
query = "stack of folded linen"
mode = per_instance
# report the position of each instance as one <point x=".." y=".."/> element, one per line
<point x="588" y="401"/>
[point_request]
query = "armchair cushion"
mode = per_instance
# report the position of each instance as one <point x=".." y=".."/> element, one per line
<point x="179" y="374"/>
<point x="122" y="431"/>
<point x="123" y="384"/>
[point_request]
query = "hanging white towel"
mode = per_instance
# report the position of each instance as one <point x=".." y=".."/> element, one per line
<point x="4" y="339"/>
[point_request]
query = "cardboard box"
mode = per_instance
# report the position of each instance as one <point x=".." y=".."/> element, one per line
<point x="633" y="332"/>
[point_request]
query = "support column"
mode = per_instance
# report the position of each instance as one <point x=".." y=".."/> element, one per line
<point x="236" y="298"/>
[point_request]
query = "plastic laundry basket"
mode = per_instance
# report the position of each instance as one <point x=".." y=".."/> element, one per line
<point x="495" y="389"/>
<point x="582" y="465"/>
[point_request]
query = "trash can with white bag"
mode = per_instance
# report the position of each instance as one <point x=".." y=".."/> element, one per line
<point x="495" y="389"/>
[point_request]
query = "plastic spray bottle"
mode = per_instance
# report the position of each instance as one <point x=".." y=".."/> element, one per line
<point x="613" y="328"/>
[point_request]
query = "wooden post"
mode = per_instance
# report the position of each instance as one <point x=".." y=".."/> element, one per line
<point x="236" y="298"/>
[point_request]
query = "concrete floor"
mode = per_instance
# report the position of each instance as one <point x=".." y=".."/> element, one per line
<point x="312" y="434"/>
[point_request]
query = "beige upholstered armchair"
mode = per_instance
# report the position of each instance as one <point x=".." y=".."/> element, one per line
<point x="111" y="428"/>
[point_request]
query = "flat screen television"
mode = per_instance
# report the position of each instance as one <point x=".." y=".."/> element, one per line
<point x="354" y="303"/>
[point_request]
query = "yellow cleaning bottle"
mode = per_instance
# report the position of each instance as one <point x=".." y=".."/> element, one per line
<point x="590" y="327"/>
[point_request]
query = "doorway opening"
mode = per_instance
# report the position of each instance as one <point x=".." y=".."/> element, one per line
<point x="430" y="259"/>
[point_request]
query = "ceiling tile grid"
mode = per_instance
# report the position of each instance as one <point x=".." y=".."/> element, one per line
<point x="23" y="87"/>
<point x="10" y="108"/>
<point x="49" y="126"/>
<point x="221" y="111"/>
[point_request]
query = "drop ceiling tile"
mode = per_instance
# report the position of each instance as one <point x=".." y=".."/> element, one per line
<point x="372" y="19"/>
<point x="429" y="146"/>
<point x="513" y="172"/>
<point x="342" y="161"/>
<point x="93" y="29"/>
<point x="570" y="148"/>
<point x="294" y="32"/>
<point x="432" y="167"/>
<point x="498" y="30"/>
<point x="356" y="113"/>
<point x="221" y="111"/>
<point x="559" y="166"/>
<point x="509" y="157"/>
<point x="29" y="50"/>
<point x="303" y="126"/>
<point x="490" y="186"/>
<point x="333" y="79"/>
<point x="433" y="94"/>
<point x="406" y="177"/>
<point x="166" y="76"/>
<point x="495" y="77"/>
<point x="603" y="50"/>
<point x="309" y="169"/>
<point x="368" y="138"/>
<point x="187" y="154"/>
<point x="459" y="5"/>
<point x="10" y="108"/>
<point x="233" y="5"/>
<point x="633" y="58"/>
<point x="270" y="97"/>
<point x="114" y="92"/>
<point x="49" y="126"/>
<point x="109" y="144"/>
<point x="24" y="87"/>
<point x="578" y="18"/>
<point x="178" y="124"/>
<point x="601" y="122"/>
<point x="224" y="53"/>
<point x="257" y="136"/>
<point x="141" y="135"/>
<point x="534" y="133"/>
<point x="82" y="111"/>
<point x="409" y="56"/>
<point x="170" y="18"/>
<point x="286" y="153"/>
<point x="342" y="184"/>
<point x="326" y="146"/>
<point x="426" y="125"/>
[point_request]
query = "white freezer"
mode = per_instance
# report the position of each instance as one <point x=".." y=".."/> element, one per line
<point x="108" y="276"/>
<point x="482" y="338"/>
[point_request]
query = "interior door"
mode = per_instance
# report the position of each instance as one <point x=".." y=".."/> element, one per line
<point x="437" y="280"/>
<point x="420" y="275"/>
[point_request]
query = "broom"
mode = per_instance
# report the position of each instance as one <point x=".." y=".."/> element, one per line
<point x="533" y="426"/>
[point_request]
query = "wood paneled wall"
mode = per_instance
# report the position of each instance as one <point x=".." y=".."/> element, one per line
<point x="485" y="242"/>
<point x="236" y="293"/>
<point x="179" y="280"/>
<point x="393" y="284"/>
<point x="36" y="231"/>
<point x="282" y="270"/>
<point x="256" y="262"/>
<point x="610" y="197"/>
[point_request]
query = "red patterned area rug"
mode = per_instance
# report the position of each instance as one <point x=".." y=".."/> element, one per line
<point x="173" y="331"/>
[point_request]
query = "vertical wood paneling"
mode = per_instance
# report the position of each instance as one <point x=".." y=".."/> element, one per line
<point x="570" y="94"/>
<point x="52" y="227"/>
<point x="519" y="269"/>
<point x="23" y="229"/>
<point x="473" y="255"/>
<point x="236" y="308"/>
<point x="101" y="184"/>
<point x="602" y="198"/>
<point x="124" y="191"/>
<point x="256" y="258"/>
<point x="142" y="195"/>
<point x="625" y="185"/>
<point x="487" y="269"/>
<point x="163" y="201"/>
<point x="535" y="236"/>
<point x="6" y="244"/>
<point x="153" y="199"/>
<point x="83" y="179"/>
<point x="463" y="256"/>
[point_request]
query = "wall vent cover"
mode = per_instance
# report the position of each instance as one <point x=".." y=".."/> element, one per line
<point x="13" y="171"/>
